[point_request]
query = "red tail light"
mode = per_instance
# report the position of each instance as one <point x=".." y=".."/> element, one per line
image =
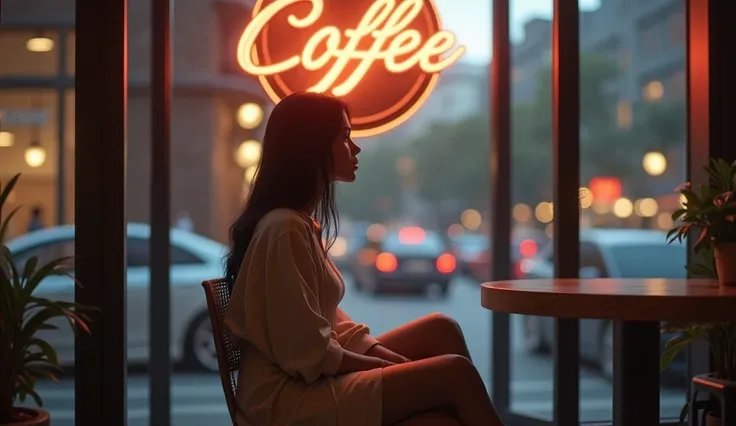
<point x="528" y="248"/>
<point x="386" y="262"/>
<point x="518" y="272"/>
<point x="446" y="263"/>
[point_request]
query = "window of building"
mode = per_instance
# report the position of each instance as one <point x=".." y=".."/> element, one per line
<point x="29" y="53"/>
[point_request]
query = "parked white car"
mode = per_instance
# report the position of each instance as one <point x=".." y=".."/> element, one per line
<point x="194" y="259"/>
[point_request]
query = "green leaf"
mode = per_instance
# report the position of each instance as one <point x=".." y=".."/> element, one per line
<point x="46" y="349"/>
<point x="6" y="222"/>
<point x="29" y="267"/>
<point x="49" y="269"/>
<point x="684" y="412"/>
<point x="672" y="348"/>
<point x="24" y="388"/>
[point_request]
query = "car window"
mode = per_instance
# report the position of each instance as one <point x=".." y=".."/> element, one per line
<point x="649" y="261"/>
<point x="46" y="253"/>
<point x="139" y="254"/>
<point x="430" y="246"/>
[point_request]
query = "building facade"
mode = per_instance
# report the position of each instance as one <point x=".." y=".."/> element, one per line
<point x="37" y="42"/>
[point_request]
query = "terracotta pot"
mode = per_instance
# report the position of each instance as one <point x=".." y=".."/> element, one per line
<point x="32" y="417"/>
<point x="725" y="254"/>
<point x="711" y="420"/>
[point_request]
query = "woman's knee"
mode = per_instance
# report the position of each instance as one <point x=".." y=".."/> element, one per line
<point x="457" y="366"/>
<point x="440" y="321"/>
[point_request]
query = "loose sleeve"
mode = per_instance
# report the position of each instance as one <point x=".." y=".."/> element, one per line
<point x="301" y="337"/>
<point x="353" y="336"/>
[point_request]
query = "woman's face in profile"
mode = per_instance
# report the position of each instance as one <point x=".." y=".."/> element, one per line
<point x="345" y="153"/>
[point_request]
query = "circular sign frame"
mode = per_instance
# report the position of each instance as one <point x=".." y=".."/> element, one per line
<point x="382" y="57"/>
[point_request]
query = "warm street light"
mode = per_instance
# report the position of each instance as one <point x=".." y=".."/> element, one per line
<point x="35" y="155"/>
<point x="6" y="139"/>
<point x="250" y="115"/>
<point x="248" y="154"/>
<point x="654" y="163"/>
<point x="623" y="208"/>
<point x="471" y="219"/>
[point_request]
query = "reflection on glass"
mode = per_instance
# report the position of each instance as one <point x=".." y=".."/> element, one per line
<point x="32" y="53"/>
<point x="35" y="135"/>
<point x="632" y="154"/>
<point x="532" y="338"/>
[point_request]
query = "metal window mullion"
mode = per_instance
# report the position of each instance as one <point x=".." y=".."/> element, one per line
<point x="566" y="167"/>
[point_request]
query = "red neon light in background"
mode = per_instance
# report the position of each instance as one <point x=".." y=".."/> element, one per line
<point x="605" y="189"/>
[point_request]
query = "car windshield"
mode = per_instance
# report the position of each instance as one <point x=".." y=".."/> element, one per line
<point x="471" y="244"/>
<point x="649" y="261"/>
<point x="431" y="245"/>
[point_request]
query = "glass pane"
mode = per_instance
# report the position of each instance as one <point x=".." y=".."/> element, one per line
<point x="34" y="52"/>
<point x="206" y="194"/>
<point x="633" y="154"/>
<point x="532" y="338"/>
<point x="422" y="191"/>
<point x="37" y="141"/>
<point x="71" y="51"/>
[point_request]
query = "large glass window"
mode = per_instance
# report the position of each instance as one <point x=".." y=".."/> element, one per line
<point x="632" y="144"/>
<point x="37" y="141"/>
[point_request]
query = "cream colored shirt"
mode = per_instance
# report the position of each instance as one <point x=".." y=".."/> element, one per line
<point x="284" y="314"/>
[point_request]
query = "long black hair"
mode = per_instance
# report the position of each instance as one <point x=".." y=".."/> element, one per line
<point x="294" y="171"/>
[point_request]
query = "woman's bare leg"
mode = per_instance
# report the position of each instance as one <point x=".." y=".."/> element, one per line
<point x="431" y="335"/>
<point x="447" y="382"/>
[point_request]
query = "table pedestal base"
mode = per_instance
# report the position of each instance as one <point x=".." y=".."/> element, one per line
<point x="636" y="373"/>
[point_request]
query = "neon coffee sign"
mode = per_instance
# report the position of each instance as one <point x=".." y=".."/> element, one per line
<point x="383" y="57"/>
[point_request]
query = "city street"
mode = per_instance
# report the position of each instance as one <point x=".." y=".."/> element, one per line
<point x="197" y="398"/>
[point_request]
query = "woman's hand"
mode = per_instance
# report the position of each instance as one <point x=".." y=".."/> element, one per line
<point x="380" y="351"/>
<point x="352" y="362"/>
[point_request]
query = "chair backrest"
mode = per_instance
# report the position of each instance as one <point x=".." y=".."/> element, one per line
<point x="228" y="355"/>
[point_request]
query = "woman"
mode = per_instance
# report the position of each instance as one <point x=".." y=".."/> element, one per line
<point x="304" y="361"/>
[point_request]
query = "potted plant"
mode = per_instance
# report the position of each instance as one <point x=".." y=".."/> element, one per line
<point x="24" y="357"/>
<point x="721" y="338"/>
<point x="710" y="211"/>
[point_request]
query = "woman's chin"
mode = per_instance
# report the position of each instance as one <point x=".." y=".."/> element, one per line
<point x="347" y="178"/>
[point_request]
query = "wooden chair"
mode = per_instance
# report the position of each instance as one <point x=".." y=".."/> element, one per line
<point x="217" y="292"/>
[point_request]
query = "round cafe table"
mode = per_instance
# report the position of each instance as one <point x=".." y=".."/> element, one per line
<point x="637" y="306"/>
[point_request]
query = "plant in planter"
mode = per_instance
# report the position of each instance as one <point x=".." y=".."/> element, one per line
<point x="710" y="211"/>
<point x="721" y="338"/>
<point x="24" y="357"/>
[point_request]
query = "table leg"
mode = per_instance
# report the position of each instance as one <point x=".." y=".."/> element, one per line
<point x="636" y="373"/>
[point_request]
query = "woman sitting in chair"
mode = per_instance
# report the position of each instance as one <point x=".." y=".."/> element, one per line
<point x="304" y="361"/>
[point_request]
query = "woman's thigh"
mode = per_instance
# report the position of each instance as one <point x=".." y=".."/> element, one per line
<point x="428" y="336"/>
<point x="416" y="387"/>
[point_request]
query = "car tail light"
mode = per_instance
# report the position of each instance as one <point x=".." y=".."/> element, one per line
<point x="518" y="271"/>
<point x="446" y="263"/>
<point x="528" y="248"/>
<point x="386" y="262"/>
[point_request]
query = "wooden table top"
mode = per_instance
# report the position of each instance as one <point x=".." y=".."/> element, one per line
<point x="651" y="299"/>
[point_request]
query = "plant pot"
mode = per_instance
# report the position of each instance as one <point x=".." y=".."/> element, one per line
<point x="31" y="417"/>
<point x="712" y="420"/>
<point x="725" y="255"/>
